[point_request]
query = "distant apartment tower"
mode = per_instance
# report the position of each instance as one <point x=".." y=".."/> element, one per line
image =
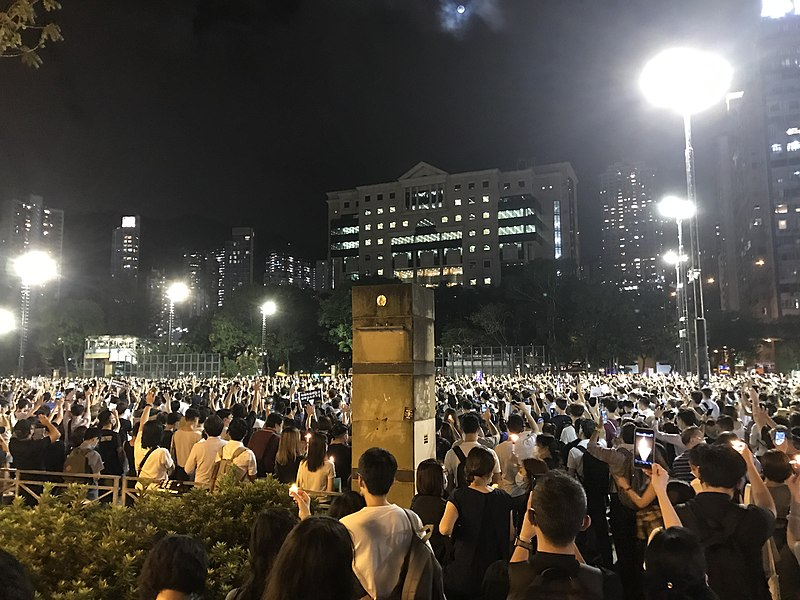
<point x="30" y="225"/>
<point x="196" y="271"/>
<point x="285" y="269"/>
<point x="432" y="227"/>
<point x="632" y="229"/>
<point x="158" y="303"/>
<point x="125" y="250"/>
<point x="232" y="267"/>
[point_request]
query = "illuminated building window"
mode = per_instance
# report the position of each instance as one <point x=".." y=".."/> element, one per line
<point x="380" y="225"/>
<point x="486" y="232"/>
<point x="458" y="218"/>
<point x="782" y="224"/>
<point x="445" y="219"/>
<point x="380" y="272"/>
<point x="368" y="242"/>
<point x="405" y="223"/>
<point x="392" y="225"/>
<point x="472" y="233"/>
<point x="793" y="146"/>
<point x="380" y="211"/>
<point x="777" y="147"/>
<point x="782" y="209"/>
<point x="367" y="227"/>
<point x="473" y="282"/>
<point x="486" y="215"/>
<point x="380" y="241"/>
<point x="487" y="281"/>
<point x="486" y="198"/>
<point x="457" y="201"/>
<point x="392" y="208"/>
<point x="367" y="212"/>
<point x="472" y="216"/>
<point x="472" y="248"/>
<point x="471" y="200"/>
<point x="487" y="248"/>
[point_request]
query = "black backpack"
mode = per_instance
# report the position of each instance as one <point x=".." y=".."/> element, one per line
<point x="731" y="573"/>
<point x="461" y="475"/>
<point x="556" y="584"/>
<point x="595" y="473"/>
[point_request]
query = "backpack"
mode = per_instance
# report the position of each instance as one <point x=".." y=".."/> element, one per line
<point x="225" y="465"/>
<point x="566" y="449"/>
<point x="595" y="473"/>
<point x="731" y="573"/>
<point x="461" y="474"/>
<point x="77" y="462"/>
<point x="556" y="584"/>
<point x="421" y="575"/>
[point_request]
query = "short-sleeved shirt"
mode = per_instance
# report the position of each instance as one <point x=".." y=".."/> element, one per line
<point x="29" y="455"/>
<point x="316" y="481"/>
<point x="481" y="536"/>
<point x="451" y="459"/>
<point x="246" y="460"/>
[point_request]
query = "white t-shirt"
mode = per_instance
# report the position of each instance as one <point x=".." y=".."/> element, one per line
<point x="202" y="459"/>
<point x="157" y="467"/>
<point x="451" y="459"/>
<point x="568" y="434"/>
<point x="246" y="460"/>
<point x="575" y="457"/>
<point x="381" y="538"/>
<point x="524" y="448"/>
<point x="316" y="481"/>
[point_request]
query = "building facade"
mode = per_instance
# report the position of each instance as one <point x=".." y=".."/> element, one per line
<point x="125" y="250"/>
<point x="31" y="225"/>
<point x="633" y="232"/>
<point x="238" y="262"/>
<point x="436" y="228"/>
<point x="285" y="269"/>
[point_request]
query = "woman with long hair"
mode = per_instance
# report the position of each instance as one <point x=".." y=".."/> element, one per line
<point x="315" y="473"/>
<point x="675" y="567"/>
<point x="314" y="563"/>
<point x="429" y="502"/>
<point x="266" y="538"/>
<point x="289" y="455"/>
<point x="157" y="463"/>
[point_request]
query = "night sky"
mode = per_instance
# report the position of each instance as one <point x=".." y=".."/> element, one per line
<point x="248" y="111"/>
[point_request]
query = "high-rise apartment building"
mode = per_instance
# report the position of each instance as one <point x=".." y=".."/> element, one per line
<point x="125" y="251"/>
<point x="759" y="176"/>
<point x="432" y="227"/>
<point x="284" y="269"/>
<point x="31" y="225"/>
<point x="231" y="267"/>
<point x="197" y="274"/>
<point x="632" y="229"/>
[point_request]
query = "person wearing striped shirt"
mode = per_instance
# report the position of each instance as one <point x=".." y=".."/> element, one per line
<point x="690" y="437"/>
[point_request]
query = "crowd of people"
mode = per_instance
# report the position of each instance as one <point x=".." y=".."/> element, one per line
<point x="543" y="486"/>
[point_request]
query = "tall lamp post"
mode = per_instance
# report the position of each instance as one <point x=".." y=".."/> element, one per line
<point x="268" y="309"/>
<point x="176" y="292"/>
<point x="689" y="81"/>
<point x="34" y="268"/>
<point x="679" y="210"/>
<point x="677" y="259"/>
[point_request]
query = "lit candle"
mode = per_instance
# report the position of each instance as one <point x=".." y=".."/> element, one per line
<point x="308" y="437"/>
<point x="514" y="437"/>
<point x="293" y="489"/>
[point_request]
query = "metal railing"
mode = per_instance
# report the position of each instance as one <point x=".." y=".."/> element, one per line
<point x="458" y="361"/>
<point x="119" y="490"/>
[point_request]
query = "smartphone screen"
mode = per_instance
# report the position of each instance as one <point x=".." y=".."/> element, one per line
<point x="780" y="437"/>
<point x="644" y="447"/>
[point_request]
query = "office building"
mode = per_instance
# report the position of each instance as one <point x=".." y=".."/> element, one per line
<point x="633" y="232"/>
<point x="197" y="276"/>
<point x="125" y="251"/>
<point x="437" y="228"/>
<point x="285" y="269"/>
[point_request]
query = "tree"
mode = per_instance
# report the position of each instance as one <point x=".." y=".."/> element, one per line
<point x="22" y="34"/>
<point x="336" y="317"/>
<point x="62" y="329"/>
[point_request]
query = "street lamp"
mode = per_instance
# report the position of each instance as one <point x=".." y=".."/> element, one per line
<point x="8" y="322"/>
<point x="268" y="309"/>
<point x="176" y="292"/>
<point x="689" y="81"/>
<point x="677" y="259"/>
<point x="34" y="268"/>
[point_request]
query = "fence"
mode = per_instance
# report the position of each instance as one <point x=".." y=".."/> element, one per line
<point x="115" y="489"/>
<point x="459" y="361"/>
<point x="162" y="365"/>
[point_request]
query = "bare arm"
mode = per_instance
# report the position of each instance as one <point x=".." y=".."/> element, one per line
<point x="759" y="494"/>
<point x="658" y="482"/>
<point x="448" y="522"/>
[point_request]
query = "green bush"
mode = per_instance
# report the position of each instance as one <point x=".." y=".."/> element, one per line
<point x="76" y="550"/>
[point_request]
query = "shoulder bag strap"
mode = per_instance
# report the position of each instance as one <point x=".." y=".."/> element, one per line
<point x="459" y="454"/>
<point x="144" y="460"/>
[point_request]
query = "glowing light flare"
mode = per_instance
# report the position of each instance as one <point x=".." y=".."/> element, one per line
<point x="673" y="258"/>
<point x="777" y="9"/>
<point x="269" y="308"/>
<point x="686" y="80"/>
<point x="177" y="292"/>
<point x="677" y="209"/>
<point x="461" y="9"/>
<point x="35" y="268"/>
<point x="8" y="321"/>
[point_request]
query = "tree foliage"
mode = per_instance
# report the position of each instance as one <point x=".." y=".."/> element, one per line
<point x="61" y="328"/>
<point x="22" y="32"/>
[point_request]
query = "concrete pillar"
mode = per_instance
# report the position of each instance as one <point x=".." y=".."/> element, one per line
<point x="393" y="404"/>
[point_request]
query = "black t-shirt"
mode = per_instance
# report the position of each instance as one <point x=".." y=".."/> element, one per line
<point x="287" y="473"/>
<point x="430" y="510"/>
<point x="481" y="537"/>
<point x="522" y="574"/>
<point x="29" y="455"/>
<point x="343" y="460"/>
<point x="109" y="449"/>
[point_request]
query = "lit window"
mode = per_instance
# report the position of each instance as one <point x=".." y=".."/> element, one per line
<point x="367" y="212"/>
<point x="445" y="219"/>
<point x="458" y="218"/>
<point x="486" y="247"/>
<point x="486" y="198"/>
<point x="472" y="233"/>
<point x="782" y="224"/>
<point x="486" y="215"/>
<point x="380" y="241"/>
<point x="486" y="232"/>
<point x="368" y="242"/>
<point x="457" y="201"/>
<point x="367" y="227"/>
<point x="473" y="282"/>
<point x="380" y="272"/>
<point x="472" y="248"/>
<point x="782" y="209"/>
<point x="793" y="146"/>
<point x="777" y="147"/>
<point x="471" y="200"/>
<point x="380" y="225"/>
<point x="487" y="281"/>
<point x="392" y="208"/>
<point x="393" y="224"/>
<point x="405" y="223"/>
<point x="472" y="216"/>
<point x="380" y="211"/>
